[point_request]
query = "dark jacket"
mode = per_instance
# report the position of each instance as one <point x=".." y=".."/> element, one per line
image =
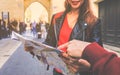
<point x="78" y="31"/>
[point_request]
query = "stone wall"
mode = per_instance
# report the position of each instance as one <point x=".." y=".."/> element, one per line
<point x="14" y="7"/>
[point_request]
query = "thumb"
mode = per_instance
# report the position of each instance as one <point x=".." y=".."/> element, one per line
<point x="84" y="62"/>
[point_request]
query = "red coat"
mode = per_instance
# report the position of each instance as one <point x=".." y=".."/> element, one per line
<point x="102" y="61"/>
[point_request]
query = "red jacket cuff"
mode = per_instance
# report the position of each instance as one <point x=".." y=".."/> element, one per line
<point x="93" y="52"/>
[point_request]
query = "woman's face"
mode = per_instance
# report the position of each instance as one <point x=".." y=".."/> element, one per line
<point x="75" y="4"/>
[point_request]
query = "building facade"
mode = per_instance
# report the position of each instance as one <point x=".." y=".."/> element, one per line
<point x="109" y="13"/>
<point x="17" y="8"/>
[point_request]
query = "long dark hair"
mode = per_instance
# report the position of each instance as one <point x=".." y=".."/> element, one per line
<point x="84" y="10"/>
<point x="86" y="14"/>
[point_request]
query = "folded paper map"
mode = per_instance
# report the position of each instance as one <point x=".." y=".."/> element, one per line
<point x="46" y="54"/>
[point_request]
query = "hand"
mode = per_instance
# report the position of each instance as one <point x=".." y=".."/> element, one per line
<point x="81" y="66"/>
<point x="75" y="64"/>
<point x="84" y="65"/>
<point x="75" y="47"/>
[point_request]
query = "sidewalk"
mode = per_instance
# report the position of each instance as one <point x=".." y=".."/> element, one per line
<point x="18" y="61"/>
<point x="7" y="48"/>
<point x="112" y="48"/>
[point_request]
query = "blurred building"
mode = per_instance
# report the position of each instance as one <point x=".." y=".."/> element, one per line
<point x="109" y="13"/>
<point x="14" y="7"/>
<point x="17" y="8"/>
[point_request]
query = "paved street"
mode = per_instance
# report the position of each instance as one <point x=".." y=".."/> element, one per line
<point x="22" y="63"/>
<point x="15" y="61"/>
<point x="112" y="49"/>
<point x="7" y="48"/>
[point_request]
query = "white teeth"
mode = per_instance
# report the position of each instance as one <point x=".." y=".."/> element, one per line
<point x="75" y="0"/>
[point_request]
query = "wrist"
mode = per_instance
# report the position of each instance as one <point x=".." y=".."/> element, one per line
<point x="85" y="44"/>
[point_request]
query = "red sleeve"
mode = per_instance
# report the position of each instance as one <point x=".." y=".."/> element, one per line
<point x="102" y="61"/>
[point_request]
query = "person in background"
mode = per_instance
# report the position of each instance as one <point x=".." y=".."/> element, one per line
<point x="14" y="25"/>
<point x="3" y="29"/>
<point x="102" y="62"/>
<point x="76" y="22"/>
<point x="34" y="28"/>
<point x="0" y="30"/>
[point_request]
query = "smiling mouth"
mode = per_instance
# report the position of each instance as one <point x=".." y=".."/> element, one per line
<point x="75" y="2"/>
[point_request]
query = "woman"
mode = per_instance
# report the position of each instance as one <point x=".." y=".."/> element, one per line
<point x="76" y="22"/>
